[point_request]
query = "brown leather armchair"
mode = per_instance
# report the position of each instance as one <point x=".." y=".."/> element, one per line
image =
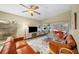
<point x="68" y="48"/>
<point x="57" y="48"/>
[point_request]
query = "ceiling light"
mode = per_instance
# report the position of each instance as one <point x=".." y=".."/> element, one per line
<point x="32" y="9"/>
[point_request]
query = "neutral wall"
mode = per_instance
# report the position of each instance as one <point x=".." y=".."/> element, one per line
<point x="64" y="17"/>
<point x="61" y="18"/>
<point x="75" y="33"/>
<point x="22" y="22"/>
<point x="25" y="22"/>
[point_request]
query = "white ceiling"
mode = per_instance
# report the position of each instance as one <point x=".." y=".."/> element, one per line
<point x="46" y="10"/>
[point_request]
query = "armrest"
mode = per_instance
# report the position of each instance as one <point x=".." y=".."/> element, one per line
<point x="1" y="49"/>
<point x="65" y="51"/>
<point x="9" y="46"/>
<point x="37" y="52"/>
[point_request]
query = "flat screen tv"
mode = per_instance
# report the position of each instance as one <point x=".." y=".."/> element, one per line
<point x="32" y="29"/>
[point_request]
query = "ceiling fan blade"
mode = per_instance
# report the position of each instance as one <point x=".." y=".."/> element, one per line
<point x="34" y="7"/>
<point x="31" y="6"/>
<point x="31" y="14"/>
<point x="24" y="11"/>
<point x="23" y="5"/>
<point x="37" y="12"/>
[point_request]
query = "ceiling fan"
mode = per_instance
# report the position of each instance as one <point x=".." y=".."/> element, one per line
<point x="32" y="9"/>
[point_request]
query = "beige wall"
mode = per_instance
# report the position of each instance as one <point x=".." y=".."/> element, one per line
<point x="21" y="21"/>
<point x="75" y="8"/>
<point x="64" y="17"/>
<point x="24" y="22"/>
<point x="75" y="33"/>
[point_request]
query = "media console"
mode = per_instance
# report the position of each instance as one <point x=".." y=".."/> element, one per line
<point x="37" y="34"/>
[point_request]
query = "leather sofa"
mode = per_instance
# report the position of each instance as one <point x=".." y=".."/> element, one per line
<point x="17" y="46"/>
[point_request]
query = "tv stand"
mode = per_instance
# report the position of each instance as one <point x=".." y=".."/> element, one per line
<point x="37" y="34"/>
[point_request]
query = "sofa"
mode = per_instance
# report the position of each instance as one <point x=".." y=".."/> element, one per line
<point x="17" y="46"/>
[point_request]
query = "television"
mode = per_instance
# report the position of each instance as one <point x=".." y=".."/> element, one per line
<point x="32" y="29"/>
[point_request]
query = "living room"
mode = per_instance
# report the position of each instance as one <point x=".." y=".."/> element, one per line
<point x="37" y="28"/>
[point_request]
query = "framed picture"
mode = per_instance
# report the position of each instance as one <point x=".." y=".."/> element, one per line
<point x="75" y="21"/>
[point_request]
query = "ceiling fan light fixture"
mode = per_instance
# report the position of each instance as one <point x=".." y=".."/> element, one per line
<point x="31" y="9"/>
